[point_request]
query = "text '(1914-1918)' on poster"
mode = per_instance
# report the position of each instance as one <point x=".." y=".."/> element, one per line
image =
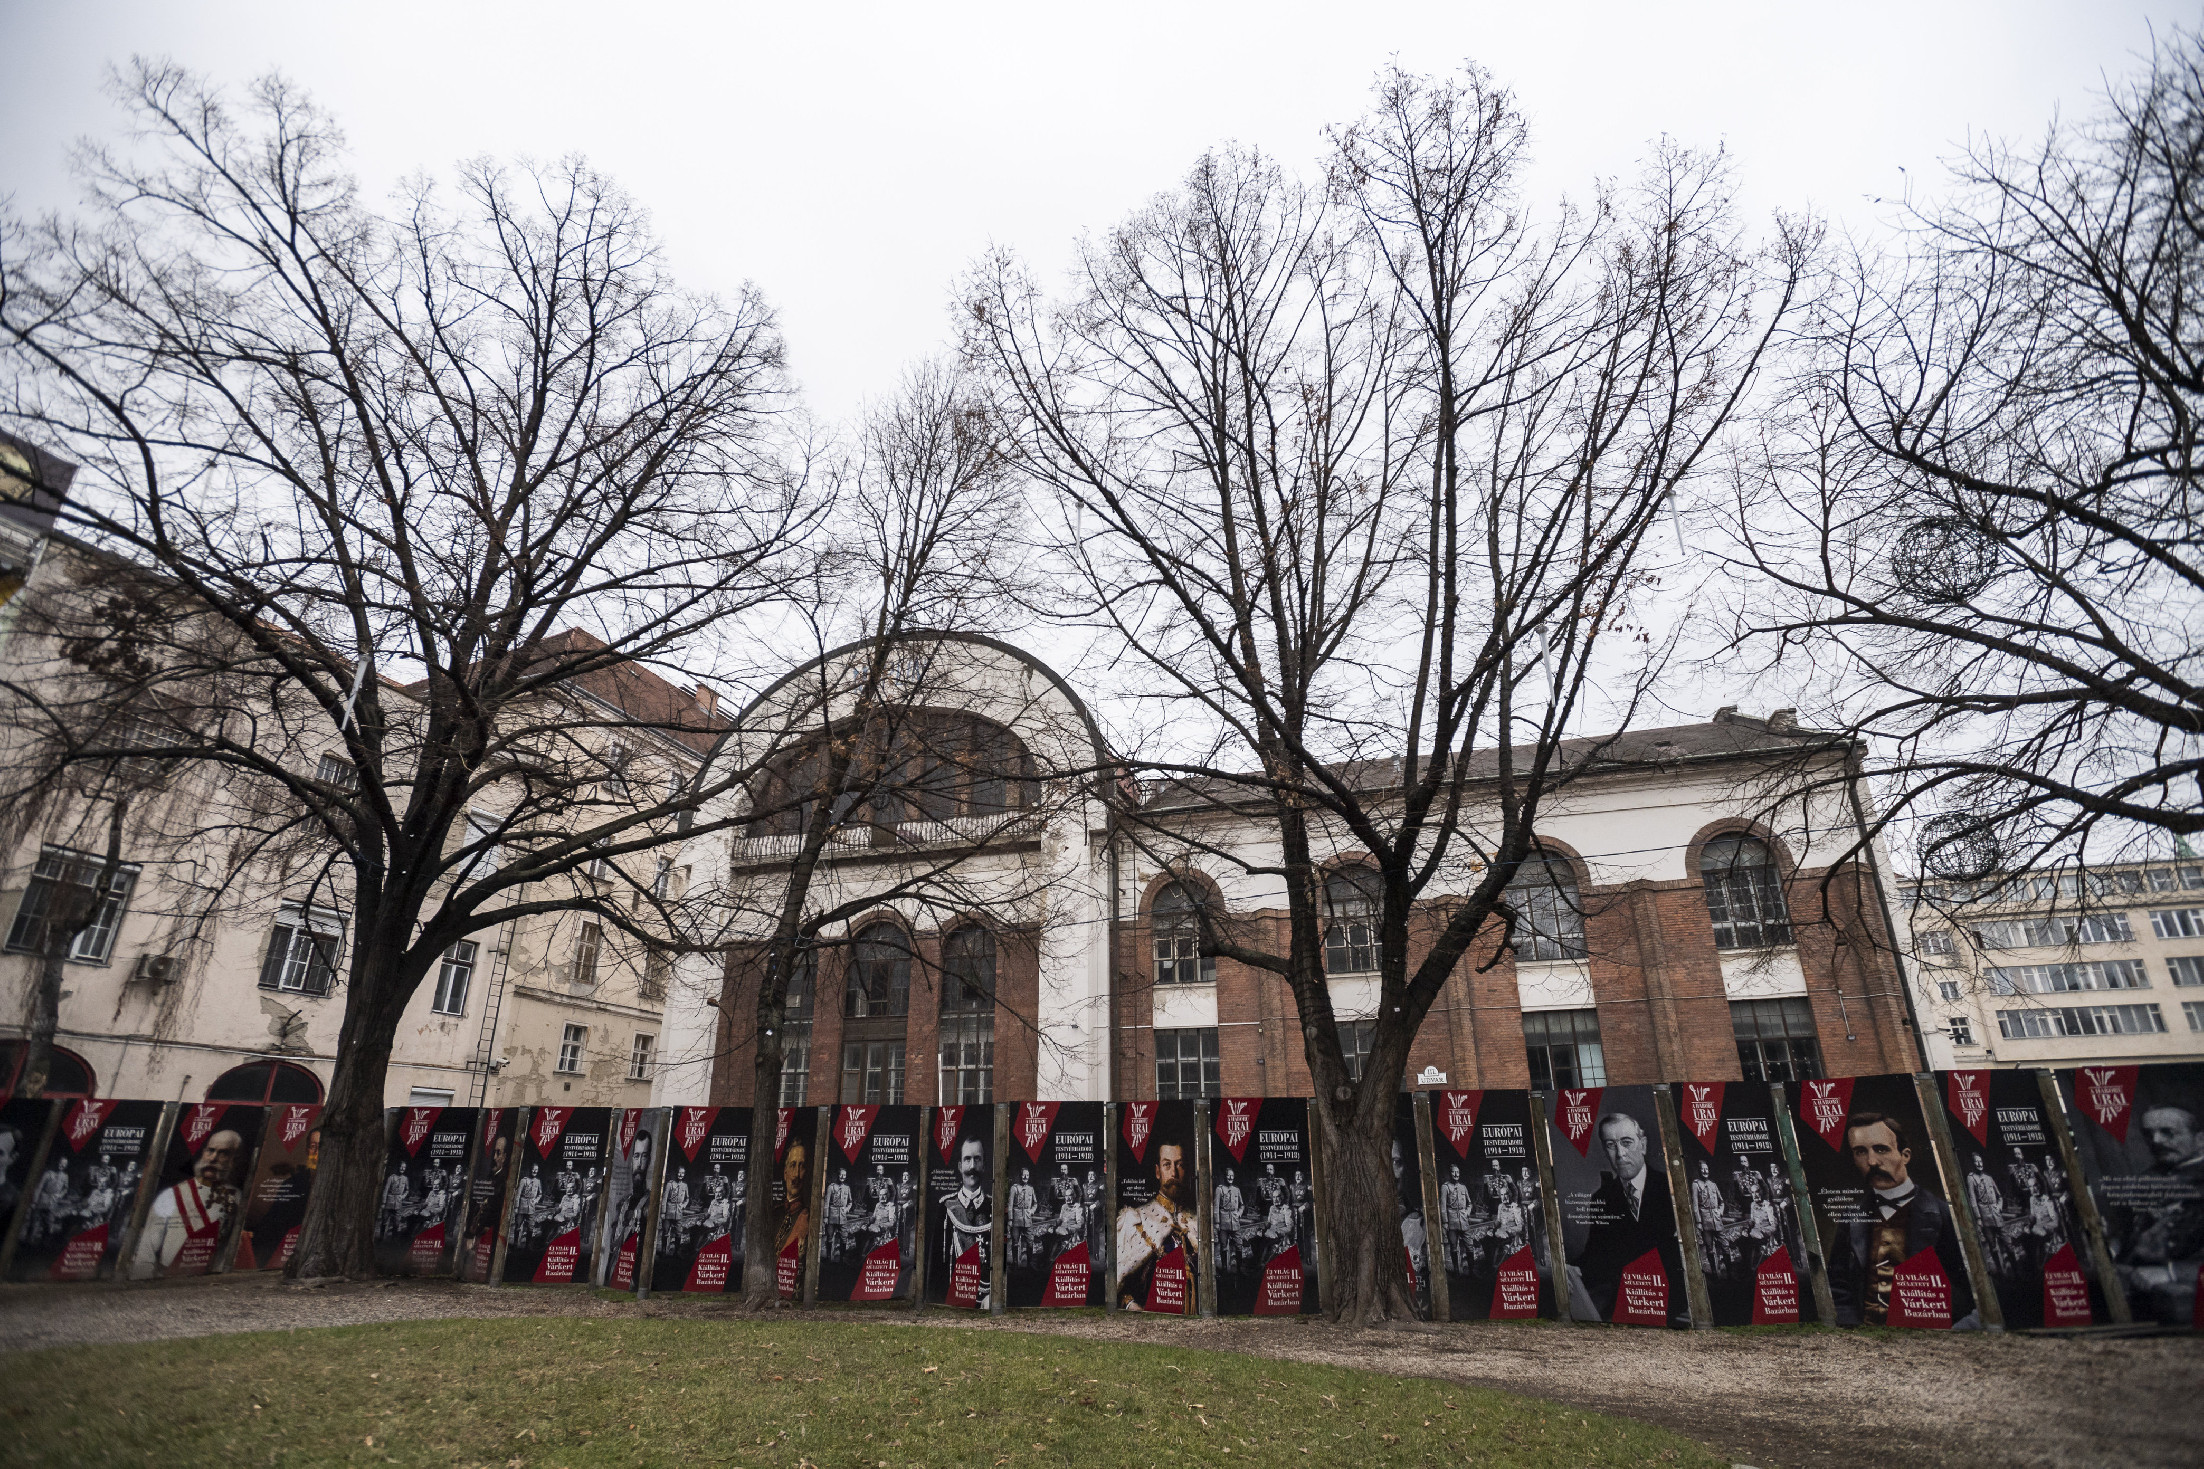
<point x="81" y="1203"/>
<point x="557" y="1189"/>
<point x="1751" y="1243"/>
<point x="701" y="1213"/>
<point x="1618" y="1215"/>
<point x="199" y="1197"/>
<point x="960" y="1198"/>
<point x="1158" y="1217"/>
<point x="794" y="1129"/>
<point x="1492" y="1212"/>
<point x="868" y="1225"/>
<point x="424" y="1189"/>
<point x="1888" y="1235"/>
<point x="1263" y="1217"/>
<point x="635" y="1144"/>
<point x="1053" y="1205"/>
<point x="2014" y="1178"/>
<point x="282" y="1179"/>
<point x="2140" y="1133"/>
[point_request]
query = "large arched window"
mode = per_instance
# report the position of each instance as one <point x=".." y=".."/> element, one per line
<point x="1351" y="903"/>
<point x="67" y="1073"/>
<point x="264" y="1082"/>
<point x="1744" y="894"/>
<point x="1177" y="932"/>
<point x="876" y="1005"/>
<point x="1549" y="920"/>
<point x="968" y="1016"/>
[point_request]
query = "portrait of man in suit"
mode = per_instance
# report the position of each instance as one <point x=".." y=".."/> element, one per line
<point x="1631" y="1213"/>
<point x="1904" y="1217"/>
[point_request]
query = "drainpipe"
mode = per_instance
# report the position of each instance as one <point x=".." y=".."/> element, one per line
<point x="1890" y="927"/>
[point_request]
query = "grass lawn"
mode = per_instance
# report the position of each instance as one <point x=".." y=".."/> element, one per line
<point x="538" y="1393"/>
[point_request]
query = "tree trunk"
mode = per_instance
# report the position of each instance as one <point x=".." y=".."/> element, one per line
<point x="1369" y="1275"/>
<point x="761" y="1266"/>
<point x="38" y="1059"/>
<point x="337" y="1236"/>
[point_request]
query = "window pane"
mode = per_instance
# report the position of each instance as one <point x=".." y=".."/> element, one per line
<point x="1549" y="913"/>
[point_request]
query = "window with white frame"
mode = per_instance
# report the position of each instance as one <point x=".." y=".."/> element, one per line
<point x="1933" y="941"/>
<point x="657" y="976"/>
<point x="571" y="1041"/>
<point x="2186" y="970"/>
<point x="2080" y="1020"/>
<point x="1549" y="916"/>
<point x="639" y="1057"/>
<point x="1947" y="989"/>
<point x="2059" y="979"/>
<point x="1175" y="924"/>
<point x="2177" y="923"/>
<point x="61" y="889"/>
<point x="2193" y="1012"/>
<point x="454" y="976"/>
<point x="2055" y="933"/>
<point x="335" y="770"/>
<point x="1351" y="901"/>
<point x="303" y="950"/>
<point x="588" y="948"/>
<point x="1355" y="1037"/>
<point x="1187" y="1063"/>
<point x="1744" y="893"/>
<point x="1960" y="1029"/>
<point x="616" y="771"/>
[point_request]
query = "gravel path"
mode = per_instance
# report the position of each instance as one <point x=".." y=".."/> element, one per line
<point x="1798" y="1401"/>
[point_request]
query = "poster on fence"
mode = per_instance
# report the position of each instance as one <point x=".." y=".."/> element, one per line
<point x="701" y="1216"/>
<point x="22" y="1124"/>
<point x="2017" y="1188"/>
<point x="868" y="1232"/>
<point x="82" y="1202"/>
<point x="2140" y="1133"/>
<point x="1887" y="1233"/>
<point x="423" y="1194"/>
<point x="1263" y="1224"/>
<point x="960" y="1185"/>
<point x="558" y="1186"/>
<point x="627" y="1195"/>
<point x="1158" y="1220"/>
<point x="1415" y="1233"/>
<point x="479" y="1233"/>
<point x="1618" y="1217"/>
<point x="1492" y="1212"/>
<point x="275" y="1200"/>
<point x="1751" y="1242"/>
<point x="793" y="1131"/>
<point x="199" y="1196"/>
<point x="1053" y="1205"/>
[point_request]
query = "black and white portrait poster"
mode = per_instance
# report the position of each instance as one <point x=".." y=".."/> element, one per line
<point x="556" y="1191"/>
<point x="1158" y="1217"/>
<point x="423" y="1194"/>
<point x="1053" y="1204"/>
<point x="1263" y="1224"/>
<point x="275" y="1200"/>
<point x="960" y="1192"/>
<point x="1492" y="1211"/>
<point x="793" y="1131"/>
<point x="700" y="1201"/>
<point x="81" y="1204"/>
<point x="1415" y="1233"/>
<point x="2017" y="1188"/>
<point x="868" y="1215"/>
<point x="199" y="1197"/>
<point x="22" y="1124"/>
<point x="1752" y="1246"/>
<point x="1618" y="1215"/>
<point x="486" y="1189"/>
<point x="2140" y="1133"/>
<point x="1887" y="1233"/>
<point x="627" y="1195"/>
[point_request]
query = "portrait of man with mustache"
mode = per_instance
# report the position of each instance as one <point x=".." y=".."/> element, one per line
<point x="1904" y="1216"/>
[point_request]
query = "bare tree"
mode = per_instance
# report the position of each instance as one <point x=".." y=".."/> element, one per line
<point x="410" y="492"/>
<point x="1359" y="480"/>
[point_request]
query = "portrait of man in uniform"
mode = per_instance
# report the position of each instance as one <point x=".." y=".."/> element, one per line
<point x="207" y="1199"/>
<point x="968" y="1217"/>
<point x="1165" y="1223"/>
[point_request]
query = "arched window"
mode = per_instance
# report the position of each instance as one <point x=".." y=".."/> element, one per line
<point x="968" y="1017"/>
<point x="916" y="765"/>
<point x="67" y="1073"/>
<point x="1549" y="914"/>
<point x="1351" y="902"/>
<point x="265" y="1081"/>
<point x="1744" y="894"/>
<point x="1178" y="939"/>
<point x="876" y="1004"/>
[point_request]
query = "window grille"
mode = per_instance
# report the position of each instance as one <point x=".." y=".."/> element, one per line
<point x="1549" y="921"/>
<point x="1744" y="894"/>
<point x="1187" y="1064"/>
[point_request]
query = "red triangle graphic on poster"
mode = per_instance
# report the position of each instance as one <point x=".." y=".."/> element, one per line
<point x="876" y="1280"/>
<point x="1167" y="1284"/>
<point x="1920" y="1294"/>
<point x="852" y="1125"/>
<point x="1457" y="1115"/>
<point x="631" y="1122"/>
<point x="1036" y="1120"/>
<point x="1280" y="1292"/>
<point x="964" y="1280"/>
<point x="1703" y="1110"/>
<point x="713" y="1262"/>
<point x="1823" y="1106"/>
<point x="297" y="1122"/>
<point x="2065" y="1292"/>
<point x="2107" y="1094"/>
<point x="789" y="1269"/>
<point x="427" y="1250"/>
<point x="694" y="1125"/>
<point x="1515" y="1288"/>
<point x="80" y="1257"/>
<point x="781" y="1125"/>
<point x="1138" y="1126"/>
<point x="1068" y="1278"/>
<point x="623" y="1265"/>
<point x="1236" y="1124"/>
<point x="1574" y="1114"/>
<point x="1775" y="1291"/>
<point x="1642" y="1298"/>
<point x="199" y="1122"/>
<point x="550" y="1127"/>
<point x="560" y="1258"/>
<point x="85" y="1118"/>
<point x="245" y="1259"/>
<point x="1967" y="1098"/>
<point x="414" y="1128"/>
<point x="946" y="1120"/>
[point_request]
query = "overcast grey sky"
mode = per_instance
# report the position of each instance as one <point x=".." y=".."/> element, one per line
<point x="851" y="159"/>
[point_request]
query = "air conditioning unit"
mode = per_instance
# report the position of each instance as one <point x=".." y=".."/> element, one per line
<point x="155" y="969"/>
